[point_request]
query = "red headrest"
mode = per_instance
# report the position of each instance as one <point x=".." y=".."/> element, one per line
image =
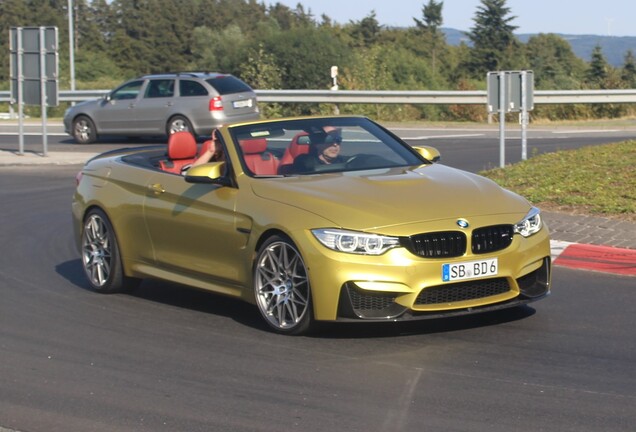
<point x="182" y="145"/>
<point x="254" y="145"/>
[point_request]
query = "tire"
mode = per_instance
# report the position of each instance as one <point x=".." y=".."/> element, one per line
<point x="178" y="123"/>
<point x="84" y="130"/>
<point x="281" y="287"/>
<point x="100" y="256"/>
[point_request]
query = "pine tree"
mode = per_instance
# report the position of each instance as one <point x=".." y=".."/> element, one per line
<point x="494" y="43"/>
<point x="429" y="29"/>
<point x="599" y="70"/>
<point x="628" y="74"/>
<point x="366" y="31"/>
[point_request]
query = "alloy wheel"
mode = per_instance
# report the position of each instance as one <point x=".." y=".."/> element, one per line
<point x="282" y="287"/>
<point x="97" y="250"/>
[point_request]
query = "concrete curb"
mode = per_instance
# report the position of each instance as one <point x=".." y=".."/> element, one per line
<point x="604" y="259"/>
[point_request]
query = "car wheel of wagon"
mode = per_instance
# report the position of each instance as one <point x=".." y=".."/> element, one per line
<point x="281" y="287"/>
<point x="84" y="130"/>
<point x="100" y="255"/>
<point x="178" y="124"/>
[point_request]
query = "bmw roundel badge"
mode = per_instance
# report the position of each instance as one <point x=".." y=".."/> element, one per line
<point x="463" y="223"/>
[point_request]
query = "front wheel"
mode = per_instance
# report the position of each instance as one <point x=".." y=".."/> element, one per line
<point x="100" y="255"/>
<point x="281" y="287"/>
<point x="84" y="130"/>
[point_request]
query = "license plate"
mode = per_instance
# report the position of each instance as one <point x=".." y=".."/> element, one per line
<point x="469" y="270"/>
<point x="242" y="103"/>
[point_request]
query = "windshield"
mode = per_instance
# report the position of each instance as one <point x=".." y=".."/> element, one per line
<point x="319" y="145"/>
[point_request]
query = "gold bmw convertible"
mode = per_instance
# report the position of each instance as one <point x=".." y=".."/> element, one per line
<point x="311" y="219"/>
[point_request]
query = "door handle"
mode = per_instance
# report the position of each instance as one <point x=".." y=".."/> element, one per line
<point x="156" y="188"/>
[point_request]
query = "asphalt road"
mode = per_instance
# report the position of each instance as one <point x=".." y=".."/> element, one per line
<point x="167" y="358"/>
<point x="471" y="149"/>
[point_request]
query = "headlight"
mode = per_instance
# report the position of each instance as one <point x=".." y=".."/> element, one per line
<point x="355" y="242"/>
<point x="531" y="224"/>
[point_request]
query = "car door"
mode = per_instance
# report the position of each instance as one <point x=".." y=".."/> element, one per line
<point x="193" y="229"/>
<point x="117" y="111"/>
<point x="153" y="107"/>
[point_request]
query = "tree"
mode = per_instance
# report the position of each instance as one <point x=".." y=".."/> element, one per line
<point x="366" y="31"/>
<point x="494" y="43"/>
<point x="305" y="56"/>
<point x="91" y="25"/>
<point x="13" y="13"/>
<point x="554" y="63"/>
<point x="260" y="71"/>
<point x="598" y="71"/>
<point x="429" y="29"/>
<point x="628" y="74"/>
<point x="432" y="14"/>
<point x="214" y="50"/>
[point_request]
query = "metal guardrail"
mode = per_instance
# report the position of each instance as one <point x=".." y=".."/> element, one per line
<point x="449" y="97"/>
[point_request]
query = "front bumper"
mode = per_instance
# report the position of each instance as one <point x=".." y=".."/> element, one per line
<point x="399" y="285"/>
<point x="356" y="304"/>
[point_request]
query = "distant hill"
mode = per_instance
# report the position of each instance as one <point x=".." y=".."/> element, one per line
<point x="614" y="47"/>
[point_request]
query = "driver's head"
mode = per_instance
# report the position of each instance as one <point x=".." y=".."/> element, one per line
<point x="326" y="145"/>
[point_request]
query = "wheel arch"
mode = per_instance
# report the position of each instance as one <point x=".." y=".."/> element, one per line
<point x="266" y="235"/>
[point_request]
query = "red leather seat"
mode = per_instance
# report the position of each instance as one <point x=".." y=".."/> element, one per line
<point x="298" y="145"/>
<point x="258" y="160"/>
<point x="182" y="151"/>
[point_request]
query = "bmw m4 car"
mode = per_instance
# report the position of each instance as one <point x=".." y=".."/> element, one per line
<point x="379" y="231"/>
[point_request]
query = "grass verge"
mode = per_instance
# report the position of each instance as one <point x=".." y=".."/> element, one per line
<point x="595" y="180"/>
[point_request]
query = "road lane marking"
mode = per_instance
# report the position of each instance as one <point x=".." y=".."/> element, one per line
<point x="586" y="131"/>
<point x="32" y="134"/>
<point x="425" y="137"/>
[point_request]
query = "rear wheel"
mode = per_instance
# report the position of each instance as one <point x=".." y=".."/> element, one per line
<point x="84" y="130"/>
<point x="100" y="255"/>
<point x="281" y="287"/>
<point x="179" y="124"/>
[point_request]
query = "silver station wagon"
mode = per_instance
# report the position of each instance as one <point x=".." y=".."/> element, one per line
<point x="163" y="104"/>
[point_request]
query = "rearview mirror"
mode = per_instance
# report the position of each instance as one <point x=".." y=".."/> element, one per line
<point x="428" y="153"/>
<point x="207" y="173"/>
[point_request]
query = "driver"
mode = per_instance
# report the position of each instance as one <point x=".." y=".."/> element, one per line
<point x="324" y="149"/>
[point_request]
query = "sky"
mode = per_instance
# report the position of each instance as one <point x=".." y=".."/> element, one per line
<point x="577" y="17"/>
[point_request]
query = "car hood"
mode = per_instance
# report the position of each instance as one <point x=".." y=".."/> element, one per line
<point x="375" y="199"/>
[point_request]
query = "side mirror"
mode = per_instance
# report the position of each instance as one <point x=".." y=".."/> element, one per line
<point x="212" y="172"/>
<point x="428" y="153"/>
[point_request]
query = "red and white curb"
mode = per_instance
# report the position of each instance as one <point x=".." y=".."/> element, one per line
<point x="604" y="259"/>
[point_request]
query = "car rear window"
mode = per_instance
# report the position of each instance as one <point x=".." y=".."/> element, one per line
<point x="228" y="84"/>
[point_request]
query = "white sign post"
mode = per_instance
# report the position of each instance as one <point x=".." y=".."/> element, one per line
<point x="511" y="91"/>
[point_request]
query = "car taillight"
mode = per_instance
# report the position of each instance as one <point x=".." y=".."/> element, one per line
<point x="216" y="104"/>
<point x="78" y="178"/>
